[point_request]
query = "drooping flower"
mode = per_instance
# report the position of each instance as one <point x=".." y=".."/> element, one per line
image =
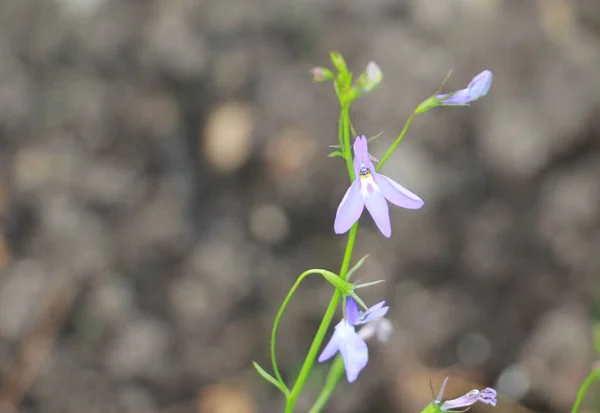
<point x="487" y="396"/>
<point x="477" y="87"/>
<point x="348" y="342"/>
<point x="371" y="189"/>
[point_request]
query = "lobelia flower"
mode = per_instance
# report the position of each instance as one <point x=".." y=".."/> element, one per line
<point x="478" y="87"/>
<point x="348" y="342"/>
<point x="371" y="189"/>
<point x="487" y="396"/>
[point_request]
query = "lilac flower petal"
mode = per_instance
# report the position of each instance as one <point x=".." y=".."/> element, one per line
<point x="378" y="208"/>
<point x="361" y="155"/>
<point x="352" y="311"/>
<point x="350" y="209"/>
<point x="480" y="85"/>
<point x="373" y="313"/>
<point x="361" y="147"/>
<point x="459" y="98"/>
<point x="354" y="352"/>
<point x="376" y="306"/>
<point x="333" y="345"/>
<point x="397" y="194"/>
<point x="488" y="396"/>
<point x="464" y="401"/>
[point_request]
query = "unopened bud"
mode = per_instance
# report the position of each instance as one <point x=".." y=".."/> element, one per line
<point x="321" y="74"/>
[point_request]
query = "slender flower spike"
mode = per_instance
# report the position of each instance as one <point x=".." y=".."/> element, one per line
<point x="350" y="344"/>
<point x="463" y="403"/>
<point x="371" y="189"/>
<point x="478" y="87"/>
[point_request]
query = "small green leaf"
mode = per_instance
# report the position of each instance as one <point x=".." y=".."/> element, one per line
<point x="356" y="267"/>
<point x="372" y="138"/>
<point x="358" y="300"/>
<point x="270" y="378"/>
<point x="338" y="62"/>
<point x="439" y="91"/>
<point x="369" y="284"/>
<point x="343" y="286"/>
<point x="431" y="408"/>
<point x="428" y="104"/>
<point x="335" y="153"/>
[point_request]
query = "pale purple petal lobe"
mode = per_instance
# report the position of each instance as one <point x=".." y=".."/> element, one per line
<point x="488" y="396"/>
<point x="397" y="194"/>
<point x="333" y="345"/>
<point x="355" y="354"/>
<point x="350" y="209"/>
<point x="377" y="311"/>
<point x="459" y="98"/>
<point x="361" y="155"/>
<point x="467" y="400"/>
<point x="378" y="208"/>
<point x="352" y="310"/>
<point x="480" y="85"/>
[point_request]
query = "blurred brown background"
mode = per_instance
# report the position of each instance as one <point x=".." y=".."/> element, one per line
<point x="163" y="180"/>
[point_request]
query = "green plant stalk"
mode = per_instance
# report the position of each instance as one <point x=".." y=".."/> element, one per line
<point x="345" y="116"/>
<point x="282" y="308"/>
<point x="344" y="131"/>
<point x="584" y="386"/>
<point x="336" y="371"/>
<point x="396" y="142"/>
<point x="320" y="335"/>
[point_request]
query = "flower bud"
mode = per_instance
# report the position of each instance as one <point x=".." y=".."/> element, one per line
<point x="321" y="74"/>
<point x="370" y="78"/>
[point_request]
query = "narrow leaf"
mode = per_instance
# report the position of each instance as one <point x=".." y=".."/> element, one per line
<point x="335" y="153"/>
<point x="270" y="378"/>
<point x="356" y="267"/>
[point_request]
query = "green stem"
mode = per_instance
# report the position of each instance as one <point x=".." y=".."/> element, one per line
<point x="396" y="142"/>
<point x="336" y="372"/>
<point x="347" y="147"/>
<point x="584" y="386"/>
<point x="320" y="335"/>
<point x="344" y="137"/>
<point x="282" y="308"/>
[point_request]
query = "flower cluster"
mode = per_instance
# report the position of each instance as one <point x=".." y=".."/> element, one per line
<point x="372" y="191"/>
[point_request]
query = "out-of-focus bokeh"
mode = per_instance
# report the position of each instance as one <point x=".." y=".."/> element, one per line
<point x="164" y="179"/>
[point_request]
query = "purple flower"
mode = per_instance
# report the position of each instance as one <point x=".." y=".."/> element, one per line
<point x="487" y="396"/>
<point x="352" y="346"/>
<point x="371" y="189"/>
<point x="478" y="87"/>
